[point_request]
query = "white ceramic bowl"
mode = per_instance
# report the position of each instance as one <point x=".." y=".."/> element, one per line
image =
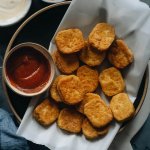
<point x="18" y="17"/>
<point x="45" y="53"/>
<point x="53" y="1"/>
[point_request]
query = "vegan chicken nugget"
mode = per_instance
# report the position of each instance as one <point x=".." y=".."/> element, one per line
<point x="69" y="41"/>
<point x="120" y="55"/>
<point x="67" y="64"/>
<point x="87" y="98"/>
<point x="92" y="133"/>
<point x="53" y="90"/>
<point x="46" y="112"/>
<point x="91" y="56"/>
<point x="122" y="107"/>
<point x="98" y="113"/>
<point x="88" y="77"/>
<point x="111" y="81"/>
<point x="70" y="120"/>
<point x="70" y="89"/>
<point x="102" y="36"/>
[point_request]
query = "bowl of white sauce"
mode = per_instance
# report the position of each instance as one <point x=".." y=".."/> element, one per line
<point x="12" y="11"/>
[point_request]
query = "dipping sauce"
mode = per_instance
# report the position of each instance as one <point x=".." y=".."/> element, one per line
<point x="28" y="70"/>
<point x="11" y="8"/>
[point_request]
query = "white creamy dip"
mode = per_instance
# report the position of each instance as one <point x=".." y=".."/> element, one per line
<point x="10" y="9"/>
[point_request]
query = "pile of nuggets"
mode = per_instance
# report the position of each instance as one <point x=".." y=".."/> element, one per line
<point x="72" y="101"/>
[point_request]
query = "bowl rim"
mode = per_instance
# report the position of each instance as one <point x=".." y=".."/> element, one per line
<point x="18" y="17"/>
<point x="53" y="1"/>
<point x="45" y="53"/>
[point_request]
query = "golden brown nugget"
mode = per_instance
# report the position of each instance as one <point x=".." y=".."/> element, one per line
<point x="67" y="64"/>
<point x="69" y="41"/>
<point x="92" y="133"/>
<point x="122" y="107"/>
<point x="70" y="89"/>
<point x="120" y="55"/>
<point x="53" y="90"/>
<point x="46" y="113"/>
<point x="70" y="120"/>
<point x="111" y="81"/>
<point x="87" y="98"/>
<point x="91" y="56"/>
<point x="88" y="77"/>
<point x="102" y="36"/>
<point x="98" y="113"/>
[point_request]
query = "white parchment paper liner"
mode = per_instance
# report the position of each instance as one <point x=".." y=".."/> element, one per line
<point x="131" y="20"/>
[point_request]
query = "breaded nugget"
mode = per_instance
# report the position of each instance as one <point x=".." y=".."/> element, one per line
<point x="70" y="120"/>
<point x="70" y="89"/>
<point x="69" y="41"/>
<point x="46" y="112"/>
<point x="102" y="36"/>
<point x="88" y="77"/>
<point x="67" y="64"/>
<point x="87" y="98"/>
<point x="120" y="55"/>
<point x="91" y="56"/>
<point x="122" y="107"/>
<point x="111" y="81"/>
<point x="98" y="113"/>
<point x="53" y="90"/>
<point x="92" y="133"/>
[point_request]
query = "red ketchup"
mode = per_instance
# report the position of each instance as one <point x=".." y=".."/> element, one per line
<point x="28" y="70"/>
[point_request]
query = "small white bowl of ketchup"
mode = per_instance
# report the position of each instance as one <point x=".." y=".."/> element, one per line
<point x="28" y="69"/>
